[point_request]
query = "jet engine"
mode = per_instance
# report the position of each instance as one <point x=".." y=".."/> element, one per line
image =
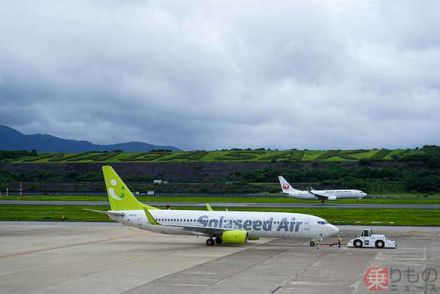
<point x="234" y="237"/>
<point x="332" y="198"/>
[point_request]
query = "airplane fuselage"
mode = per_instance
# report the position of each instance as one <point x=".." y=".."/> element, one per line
<point x="330" y="194"/>
<point x="257" y="224"/>
<point x="322" y="195"/>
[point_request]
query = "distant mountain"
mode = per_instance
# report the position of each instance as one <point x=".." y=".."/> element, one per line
<point x="11" y="139"/>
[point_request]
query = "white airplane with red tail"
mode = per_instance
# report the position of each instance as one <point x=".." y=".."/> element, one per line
<point x="322" y="195"/>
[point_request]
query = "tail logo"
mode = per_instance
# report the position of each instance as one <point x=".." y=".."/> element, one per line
<point x="286" y="187"/>
<point x="112" y="193"/>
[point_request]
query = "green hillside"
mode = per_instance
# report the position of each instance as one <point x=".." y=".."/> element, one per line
<point x="234" y="155"/>
<point x="378" y="171"/>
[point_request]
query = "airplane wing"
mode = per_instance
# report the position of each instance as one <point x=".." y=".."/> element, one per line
<point x="195" y="229"/>
<point x="319" y="196"/>
<point x="201" y="230"/>
<point x="322" y="196"/>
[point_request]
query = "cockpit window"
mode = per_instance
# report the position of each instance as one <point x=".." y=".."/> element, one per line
<point x="322" y="222"/>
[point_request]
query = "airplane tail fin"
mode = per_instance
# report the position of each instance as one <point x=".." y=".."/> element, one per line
<point x="285" y="186"/>
<point x="119" y="194"/>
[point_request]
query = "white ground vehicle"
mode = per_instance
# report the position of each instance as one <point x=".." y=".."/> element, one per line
<point x="369" y="240"/>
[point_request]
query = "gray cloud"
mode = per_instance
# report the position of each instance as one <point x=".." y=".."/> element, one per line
<point x="221" y="74"/>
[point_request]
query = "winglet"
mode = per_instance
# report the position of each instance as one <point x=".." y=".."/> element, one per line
<point x="208" y="207"/>
<point x="150" y="218"/>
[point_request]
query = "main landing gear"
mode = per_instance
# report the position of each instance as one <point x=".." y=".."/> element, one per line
<point x="211" y="241"/>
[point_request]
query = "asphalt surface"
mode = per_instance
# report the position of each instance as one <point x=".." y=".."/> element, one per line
<point x="229" y="204"/>
<point x="42" y="257"/>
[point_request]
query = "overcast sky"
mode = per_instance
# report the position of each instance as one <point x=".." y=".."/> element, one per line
<point x="222" y="74"/>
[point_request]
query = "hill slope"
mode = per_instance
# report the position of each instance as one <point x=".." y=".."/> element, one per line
<point x="215" y="156"/>
<point x="11" y="139"/>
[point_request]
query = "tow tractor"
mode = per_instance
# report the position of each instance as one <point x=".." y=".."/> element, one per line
<point x="367" y="239"/>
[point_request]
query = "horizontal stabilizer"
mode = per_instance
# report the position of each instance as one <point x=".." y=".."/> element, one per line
<point x="98" y="211"/>
<point x="109" y="213"/>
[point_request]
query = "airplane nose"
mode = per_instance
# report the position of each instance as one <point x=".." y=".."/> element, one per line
<point x="333" y="230"/>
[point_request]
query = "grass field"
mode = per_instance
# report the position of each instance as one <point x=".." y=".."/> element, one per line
<point x="51" y="213"/>
<point x="336" y="216"/>
<point x="264" y="198"/>
<point x="258" y="155"/>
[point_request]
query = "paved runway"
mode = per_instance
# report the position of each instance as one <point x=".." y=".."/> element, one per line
<point x="230" y="204"/>
<point x="110" y="258"/>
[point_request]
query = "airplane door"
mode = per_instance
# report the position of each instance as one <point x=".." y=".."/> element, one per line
<point x="307" y="224"/>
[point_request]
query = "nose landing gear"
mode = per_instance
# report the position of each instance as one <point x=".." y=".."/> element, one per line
<point x="315" y="242"/>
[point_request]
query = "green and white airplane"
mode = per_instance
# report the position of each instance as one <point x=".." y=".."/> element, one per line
<point x="227" y="227"/>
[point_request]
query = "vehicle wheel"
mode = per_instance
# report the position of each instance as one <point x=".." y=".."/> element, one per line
<point x="218" y="240"/>
<point x="357" y="243"/>
<point x="312" y="244"/>
<point x="210" y="242"/>
<point x="379" y="244"/>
